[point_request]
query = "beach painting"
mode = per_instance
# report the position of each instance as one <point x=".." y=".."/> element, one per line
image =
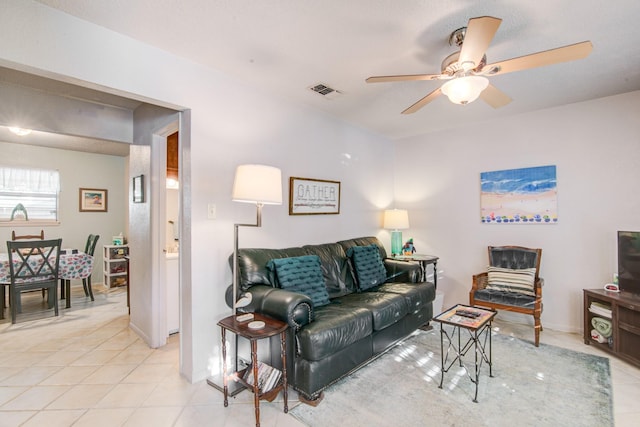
<point x="519" y="196"/>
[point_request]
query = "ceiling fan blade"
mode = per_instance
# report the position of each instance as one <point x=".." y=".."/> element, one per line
<point x="547" y="57"/>
<point x="478" y="36"/>
<point x="495" y="97"/>
<point x="404" y="78"/>
<point x="424" y="101"/>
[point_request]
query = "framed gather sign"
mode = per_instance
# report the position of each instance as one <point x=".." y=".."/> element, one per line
<point x="93" y="200"/>
<point x="313" y="196"/>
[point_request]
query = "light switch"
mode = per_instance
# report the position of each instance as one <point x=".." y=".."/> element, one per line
<point x="211" y="211"/>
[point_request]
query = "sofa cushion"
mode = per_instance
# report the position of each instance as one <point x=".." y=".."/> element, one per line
<point x="301" y="274"/>
<point x="511" y="280"/>
<point x="364" y="241"/>
<point x="385" y="308"/>
<point x="335" y="327"/>
<point x="335" y="268"/>
<point x="368" y="265"/>
<point x="417" y="295"/>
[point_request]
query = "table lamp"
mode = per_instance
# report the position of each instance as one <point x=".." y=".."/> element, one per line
<point x="396" y="220"/>
<point x="257" y="184"/>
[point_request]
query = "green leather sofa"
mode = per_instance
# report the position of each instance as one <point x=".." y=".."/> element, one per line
<point x="324" y="344"/>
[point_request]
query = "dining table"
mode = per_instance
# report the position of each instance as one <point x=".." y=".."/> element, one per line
<point x="73" y="265"/>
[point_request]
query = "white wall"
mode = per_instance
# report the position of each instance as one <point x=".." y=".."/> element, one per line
<point x="145" y="246"/>
<point x="596" y="148"/>
<point x="230" y="124"/>
<point x="77" y="170"/>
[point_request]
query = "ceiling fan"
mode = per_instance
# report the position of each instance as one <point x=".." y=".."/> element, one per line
<point x="467" y="69"/>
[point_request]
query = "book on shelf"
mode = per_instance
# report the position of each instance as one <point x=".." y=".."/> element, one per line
<point x="600" y="309"/>
<point x="273" y="379"/>
<point x="268" y="376"/>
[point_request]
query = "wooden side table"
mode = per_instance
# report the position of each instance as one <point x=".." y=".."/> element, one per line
<point x="271" y="328"/>
<point x="423" y="260"/>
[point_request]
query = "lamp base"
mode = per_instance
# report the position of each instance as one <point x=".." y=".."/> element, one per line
<point x="396" y="242"/>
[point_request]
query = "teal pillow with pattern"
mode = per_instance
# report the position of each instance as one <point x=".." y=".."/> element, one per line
<point x="367" y="262"/>
<point x="301" y="274"/>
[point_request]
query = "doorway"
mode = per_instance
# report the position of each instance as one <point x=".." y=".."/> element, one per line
<point x="172" y="240"/>
<point x="117" y="130"/>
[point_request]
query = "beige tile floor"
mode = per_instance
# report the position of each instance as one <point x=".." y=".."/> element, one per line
<point x="87" y="368"/>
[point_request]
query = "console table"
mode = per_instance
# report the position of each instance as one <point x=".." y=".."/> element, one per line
<point x="625" y="322"/>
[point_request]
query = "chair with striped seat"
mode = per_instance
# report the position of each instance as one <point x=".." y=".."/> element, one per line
<point x="512" y="282"/>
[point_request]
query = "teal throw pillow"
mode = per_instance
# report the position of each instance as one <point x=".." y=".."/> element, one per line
<point x="301" y="274"/>
<point x="368" y="264"/>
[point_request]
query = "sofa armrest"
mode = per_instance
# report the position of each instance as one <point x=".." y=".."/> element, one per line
<point x="292" y="307"/>
<point x="401" y="271"/>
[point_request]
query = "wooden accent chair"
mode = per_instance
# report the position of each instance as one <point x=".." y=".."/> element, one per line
<point x="14" y="236"/>
<point x="511" y="283"/>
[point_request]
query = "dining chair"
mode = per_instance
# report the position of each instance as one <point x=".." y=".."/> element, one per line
<point x="89" y="249"/>
<point x="33" y="265"/>
<point x="40" y="236"/>
<point x="14" y="236"/>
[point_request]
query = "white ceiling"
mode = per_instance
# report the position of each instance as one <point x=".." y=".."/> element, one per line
<point x="284" y="46"/>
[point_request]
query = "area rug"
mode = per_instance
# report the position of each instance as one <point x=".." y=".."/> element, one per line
<point x="543" y="386"/>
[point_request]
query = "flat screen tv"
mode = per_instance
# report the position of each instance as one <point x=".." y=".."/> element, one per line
<point x="629" y="261"/>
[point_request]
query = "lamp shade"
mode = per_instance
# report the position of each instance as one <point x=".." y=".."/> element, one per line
<point x="258" y="184"/>
<point x="396" y="219"/>
<point x="464" y="90"/>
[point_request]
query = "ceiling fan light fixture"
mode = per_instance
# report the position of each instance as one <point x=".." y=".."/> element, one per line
<point x="464" y="90"/>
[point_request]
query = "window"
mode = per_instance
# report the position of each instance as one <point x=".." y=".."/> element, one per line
<point x="29" y="194"/>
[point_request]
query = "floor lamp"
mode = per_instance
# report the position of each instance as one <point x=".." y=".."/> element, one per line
<point x="396" y="220"/>
<point x="261" y="185"/>
<point x="257" y="184"/>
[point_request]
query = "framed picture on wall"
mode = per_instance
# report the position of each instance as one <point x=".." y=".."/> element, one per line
<point x="519" y="196"/>
<point x="93" y="200"/>
<point x="138" y="189"/>
<point x="313" y="196"/>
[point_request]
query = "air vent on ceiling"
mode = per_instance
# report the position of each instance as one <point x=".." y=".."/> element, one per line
<point x="324" y="90"/>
